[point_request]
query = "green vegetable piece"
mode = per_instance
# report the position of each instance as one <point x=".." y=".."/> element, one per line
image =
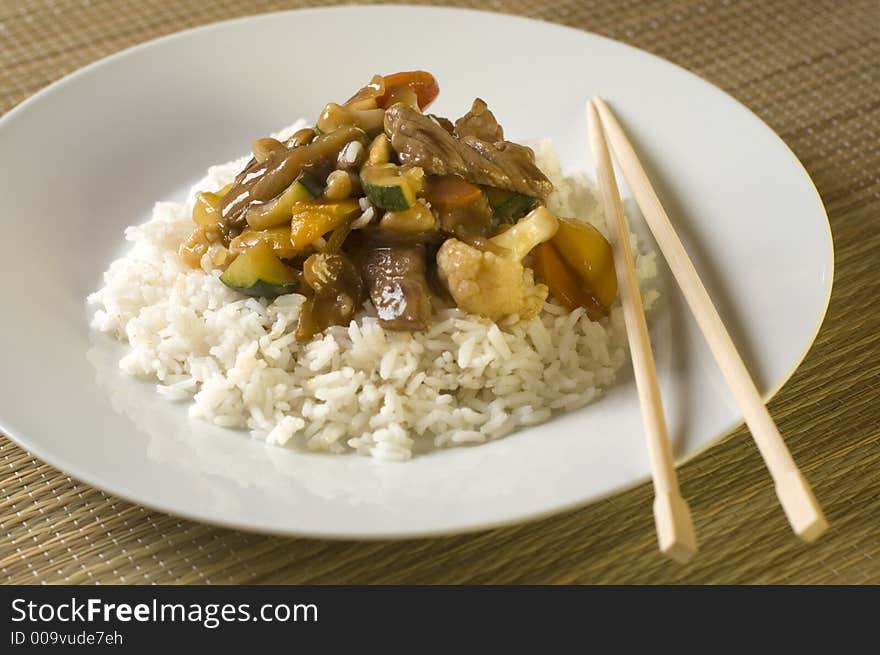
<point x="510" y="205"/>
<point x="386" y="188"/>
<point x="258" y="272"/>
<point x="312" y="184"/>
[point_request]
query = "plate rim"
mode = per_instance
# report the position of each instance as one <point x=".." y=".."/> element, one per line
<point x="406" y="534"/>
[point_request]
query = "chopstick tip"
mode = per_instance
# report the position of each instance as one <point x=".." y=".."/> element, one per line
<point x="595" y="107"/>
<point x="801" y="507"/>
<point x="676" y="536"/>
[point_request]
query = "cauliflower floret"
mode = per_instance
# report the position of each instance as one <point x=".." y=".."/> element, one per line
<point x="492" y="285"/>
<point x="488" y="284"/>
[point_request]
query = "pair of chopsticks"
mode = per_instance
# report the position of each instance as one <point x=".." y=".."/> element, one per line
<point x="675" y="530"/>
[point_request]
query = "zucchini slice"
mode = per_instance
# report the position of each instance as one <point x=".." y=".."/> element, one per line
<point x="387" y="188"/>
<point x="305" y="188"/>
<point x="311" y="183"/>
<point x="258" y="272"/>
<point x="509" y="205"/>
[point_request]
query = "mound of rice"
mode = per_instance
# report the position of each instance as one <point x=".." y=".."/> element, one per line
<point x="359" y="387"/>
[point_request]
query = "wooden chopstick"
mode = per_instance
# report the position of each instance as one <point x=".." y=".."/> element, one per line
<point x="794" y="492"/>
<point x="672" y="517"/>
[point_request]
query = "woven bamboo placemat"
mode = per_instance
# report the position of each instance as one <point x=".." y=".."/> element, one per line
<point x="810" y="69"/>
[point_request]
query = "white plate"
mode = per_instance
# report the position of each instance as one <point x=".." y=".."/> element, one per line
<point x="90" y="155"/>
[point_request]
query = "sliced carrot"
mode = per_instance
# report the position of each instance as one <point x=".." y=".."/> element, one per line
<point x="422" y="82"/>
<point x="450" y="191"/>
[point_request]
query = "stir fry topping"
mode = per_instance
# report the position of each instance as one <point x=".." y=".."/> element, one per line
<point x="380" y="201"/>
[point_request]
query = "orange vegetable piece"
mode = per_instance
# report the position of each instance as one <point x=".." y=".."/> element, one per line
<point x="589" y="254"/>
<point x="450" y="191"/>
<point x="422" y="82"/>
<point x="565" y="285"/>
<point x="310" y="221"/>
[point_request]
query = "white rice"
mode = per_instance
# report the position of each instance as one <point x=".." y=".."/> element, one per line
<point x="359" y="387"/>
